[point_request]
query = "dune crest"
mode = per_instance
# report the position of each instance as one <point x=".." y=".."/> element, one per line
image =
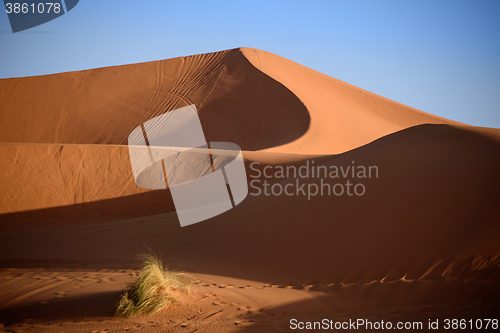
<point x="253" y="98"/>
<point x="343" y="117"/>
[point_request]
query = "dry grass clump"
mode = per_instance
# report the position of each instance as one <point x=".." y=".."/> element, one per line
<point x="155" y="288"/>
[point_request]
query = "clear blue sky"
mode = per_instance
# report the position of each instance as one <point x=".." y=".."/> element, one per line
<point x="440" y="56"/>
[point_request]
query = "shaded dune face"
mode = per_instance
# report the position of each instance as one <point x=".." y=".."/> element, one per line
<point x="430" y="208"/>
<point x="236" y="102"/>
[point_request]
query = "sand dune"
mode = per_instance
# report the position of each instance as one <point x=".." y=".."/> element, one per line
<point x="237" y="102"/>
<point x="250" y="97"/>
<point x="255" y="99"/>
<point x="422" y="242"/>
<point x="343" y="116"/>
<point x="415" y="209"/>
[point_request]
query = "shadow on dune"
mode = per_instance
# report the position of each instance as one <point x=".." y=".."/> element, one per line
<point x="416" y="303"/>
<point x="142" y="204"/>
<point x="95" y="305"/>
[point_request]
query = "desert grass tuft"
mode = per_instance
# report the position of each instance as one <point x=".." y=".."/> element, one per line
<point x="155" y="288"/>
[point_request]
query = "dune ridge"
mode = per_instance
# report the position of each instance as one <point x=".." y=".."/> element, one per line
<point x="257" y="99"/>
<point x="236" y="102"/>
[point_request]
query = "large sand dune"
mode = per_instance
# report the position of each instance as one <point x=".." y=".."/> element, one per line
<point x="253" y="98"/>
<point x="422" y="242"/>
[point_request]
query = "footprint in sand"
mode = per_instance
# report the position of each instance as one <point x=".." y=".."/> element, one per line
<point x="243" y="323"/>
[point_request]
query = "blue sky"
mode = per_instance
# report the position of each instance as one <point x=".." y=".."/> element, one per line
<point x="442" y="57"/>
